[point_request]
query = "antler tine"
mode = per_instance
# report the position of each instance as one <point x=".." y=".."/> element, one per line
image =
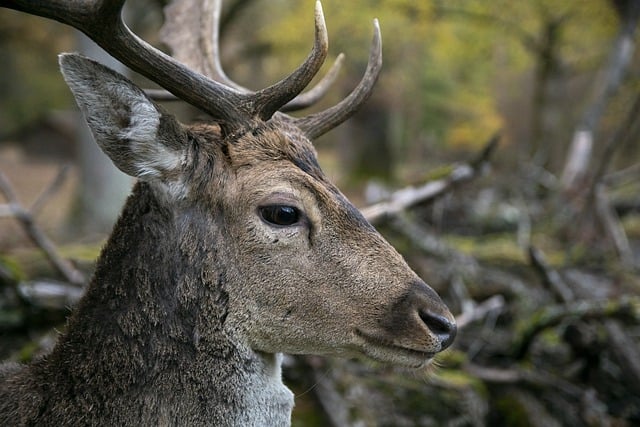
<point x="313" y="95"/>
<point x="101" y="20"/>
<point x="271" y="99"/>
<point x="317" y="124"/>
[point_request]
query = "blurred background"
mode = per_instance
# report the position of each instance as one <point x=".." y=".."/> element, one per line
<point x="513" y="129"/>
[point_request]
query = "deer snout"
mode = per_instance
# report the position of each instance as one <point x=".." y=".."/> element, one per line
<point x="415" y="327"/>
<point x="433" y="313"/>
<point x="419" y="320"/>
<point x="443" y="328"/>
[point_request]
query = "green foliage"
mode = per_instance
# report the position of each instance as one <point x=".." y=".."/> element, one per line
<point x="448" y="64"/>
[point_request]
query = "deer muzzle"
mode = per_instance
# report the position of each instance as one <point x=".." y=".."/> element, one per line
<point x="412" y="330"/>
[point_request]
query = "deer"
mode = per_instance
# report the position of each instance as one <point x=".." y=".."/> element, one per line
<point x="232" y="249"/>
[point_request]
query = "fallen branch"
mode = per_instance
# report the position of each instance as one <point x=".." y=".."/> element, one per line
<point x="550" y="277"/>
<point x="519" y="375"/>
<point x="408" y="197"/>
<point x="49" y="294"/>
<point x="630" y="174"/>
<point x="623" y="347"/>
<point x="431" y="244"/>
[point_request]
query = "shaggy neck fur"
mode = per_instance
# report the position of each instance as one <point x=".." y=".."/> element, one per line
<point x="148" y="344"/>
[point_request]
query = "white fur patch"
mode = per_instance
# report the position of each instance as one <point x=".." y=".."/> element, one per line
<point x="145" y="120"/>
<point x="151" y="157"/>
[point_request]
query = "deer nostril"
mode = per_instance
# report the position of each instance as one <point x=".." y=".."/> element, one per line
<point x="442" y="327"/>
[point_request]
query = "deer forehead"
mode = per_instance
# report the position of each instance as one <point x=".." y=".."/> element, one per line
<point x="275" y="140"/>
<point x="268" y="153"/>
<point x="275" y="158"/>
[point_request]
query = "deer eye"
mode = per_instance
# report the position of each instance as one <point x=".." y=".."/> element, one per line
<point x="280" y="214"/>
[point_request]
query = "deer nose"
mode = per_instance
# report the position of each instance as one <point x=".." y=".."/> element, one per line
<point x="434" y="314"/>
<point x="443" y="328"/>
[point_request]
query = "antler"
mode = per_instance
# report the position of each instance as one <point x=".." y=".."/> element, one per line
<point x="192" y="31"/>
<point x="232" y="106"/>
<point x="201" y="51"/>
<point x="318" y="124"/>
<point x="101" y="20"/>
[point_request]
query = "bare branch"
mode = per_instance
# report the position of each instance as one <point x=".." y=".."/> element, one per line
<point x="480" y="311"/>
<point x="39" y="238"/>
<point x="411" y="196"/>
<point x="48" y="192"/>
<point x="550" y="277"/>
<point x="611" y="223"/>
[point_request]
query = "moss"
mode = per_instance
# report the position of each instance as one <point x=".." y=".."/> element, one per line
<point x="28" y="351"/>
<point x="87" y="252"/>
<point x="440" y="172"/>
<point x="32" y="262"/>
<point x="631" y="225"/>
<point x="493" y="249"/>
<point x="512" y="412"/>
<point x="11" y="266"/>
<point x="451" y="359"/>
<point x="460" y="380"/>
<point x="550" y="337"/>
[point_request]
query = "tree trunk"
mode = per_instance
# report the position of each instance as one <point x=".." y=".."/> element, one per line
<point x="581" y="149"/>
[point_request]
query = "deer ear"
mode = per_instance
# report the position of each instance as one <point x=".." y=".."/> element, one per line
<point x="140" y="139"/>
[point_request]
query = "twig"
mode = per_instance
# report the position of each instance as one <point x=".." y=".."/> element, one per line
<point x="39" y="238"/>
<point x="620" y="138"/>
<point x="611" y="223"/>
<point x="632" y="173"/>
<point x="516" y="375"/>
<point x="408" y="197"/>
<point x="550" y="277"/>
<point x="481" y="310"/>
<point x="626" y="351"/>
<point x="622" y="346"/>
<point x="51" y="189"/>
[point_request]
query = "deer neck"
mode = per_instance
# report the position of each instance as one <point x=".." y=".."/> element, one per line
<point x="151" y="329"/>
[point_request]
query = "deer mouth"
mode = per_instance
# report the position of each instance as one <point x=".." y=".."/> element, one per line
<point x="385" y="350"/>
